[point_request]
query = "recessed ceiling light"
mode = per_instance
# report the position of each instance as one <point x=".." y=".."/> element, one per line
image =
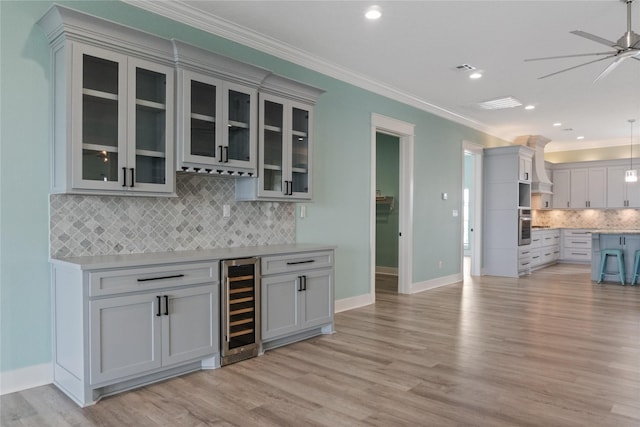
<point x="475" y="75"/>
<point x="557" y="124"/>
<point x="530" y="107"/>
<point x="500" y="103"/>
<point x="580" y="137"/>
<point x="373" y="13"/>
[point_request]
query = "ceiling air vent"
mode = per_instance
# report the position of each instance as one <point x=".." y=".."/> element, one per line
<point x="465" y="67"/>
<point x="499" y="103"/>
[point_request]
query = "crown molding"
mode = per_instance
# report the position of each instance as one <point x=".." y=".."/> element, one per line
<point x="177" y="10"/>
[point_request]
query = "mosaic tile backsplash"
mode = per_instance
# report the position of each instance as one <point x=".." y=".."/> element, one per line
<point x="107" y="225"/>
<point x="588" y="218"/>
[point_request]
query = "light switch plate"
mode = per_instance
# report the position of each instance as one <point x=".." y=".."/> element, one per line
<point x="455" y="212"/>
<point x="445" y="196"/>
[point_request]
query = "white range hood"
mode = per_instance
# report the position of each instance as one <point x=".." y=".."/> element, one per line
<point x="540" y="183"/>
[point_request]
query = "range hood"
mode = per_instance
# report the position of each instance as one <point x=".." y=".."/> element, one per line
<point x="540" y="182"/>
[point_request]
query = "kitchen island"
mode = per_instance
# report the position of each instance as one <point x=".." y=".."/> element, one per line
<point x="627" y="240"/>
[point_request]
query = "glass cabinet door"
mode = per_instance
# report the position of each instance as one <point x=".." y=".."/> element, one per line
<point x="100" y="104"/>
<point x="150" y="126"/>
<point x="202" y="135"/>
<point x="238" y="133"/>
<point x="273" y="147"/>
<point x="299" y="150"/>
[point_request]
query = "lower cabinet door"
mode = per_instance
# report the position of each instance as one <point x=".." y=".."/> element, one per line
<point x="125" y="334"/>
<point x="280" y="305"/>
<point x="190" y="320"/>
<point x="317" y="299"/>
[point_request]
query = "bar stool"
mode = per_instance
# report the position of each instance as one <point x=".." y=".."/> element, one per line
<point x="603" y="263"/>
<point x="636" y="268"/>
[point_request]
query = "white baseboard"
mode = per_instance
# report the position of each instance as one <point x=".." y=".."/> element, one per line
<point x="353" y="302"/>
<point x="391" y="271"/>
<point x="24" y="378"/>
<point x="436" y="283"/>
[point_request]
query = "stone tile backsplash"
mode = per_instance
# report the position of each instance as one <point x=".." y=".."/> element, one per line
<point x="107" y="225"/>
<point x="588" y="218"/>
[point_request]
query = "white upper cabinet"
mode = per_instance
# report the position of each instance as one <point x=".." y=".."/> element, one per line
<point x="561" y="188"/>
<point x="113" y="107"/>
<point x="285" y="143"/>
<point x="525" y="169"/>
<point x="588" y="188"/>
<point x="621" y="194"/>
<point x="217" y="117"/>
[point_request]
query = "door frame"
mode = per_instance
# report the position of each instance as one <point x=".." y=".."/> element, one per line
<point x="476" y="151"/>
<point x="405" y="133"/>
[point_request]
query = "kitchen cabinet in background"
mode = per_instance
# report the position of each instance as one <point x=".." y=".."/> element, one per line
<point x="285" y="143"/>
<point x="621" y="194"/>
<point x="505" y="196"/>
<point x="113" y="107"/>
<point x="217" y="112"/>
<point x="588" y="188"/>
<point x="576" y="245"/>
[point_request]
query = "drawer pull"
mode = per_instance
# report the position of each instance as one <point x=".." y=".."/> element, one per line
<point x="301" y="262"/>
<point x="159" y="313"/>
<point x="175" y="276"/>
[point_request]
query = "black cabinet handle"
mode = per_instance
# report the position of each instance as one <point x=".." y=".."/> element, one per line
<point x="158" y="314"/>
<point x="124" y="177"/>
<point x="175" y="276"/>
<point x="299" y="283"/>
<point x="166" y="305"/>
<point x="304" y="281"/>
<point x="226" y="154"/>
<point x="133" y="177"/>
<point x="307" y="261"/>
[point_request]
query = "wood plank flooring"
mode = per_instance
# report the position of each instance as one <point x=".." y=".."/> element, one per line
<point x="550" y="349"/>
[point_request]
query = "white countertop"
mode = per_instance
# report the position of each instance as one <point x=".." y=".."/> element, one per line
<point x="153" y="258"/>
<point x="616" y="231"/>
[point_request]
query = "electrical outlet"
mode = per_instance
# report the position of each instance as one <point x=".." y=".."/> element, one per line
<point x="226" y="211"/>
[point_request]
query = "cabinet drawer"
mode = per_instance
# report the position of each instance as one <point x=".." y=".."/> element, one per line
<point x="296" y="262"/>
<point x="157" y="277"/>
<point x="576" y="254"/>
<point x="578" y="242"/>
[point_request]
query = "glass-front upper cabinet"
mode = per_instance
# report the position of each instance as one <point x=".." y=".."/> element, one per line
<point x="285" y="155"/>
<point x="217" y="114"/>
<point x="217" y="123"/>
<point x="113" y="107"/>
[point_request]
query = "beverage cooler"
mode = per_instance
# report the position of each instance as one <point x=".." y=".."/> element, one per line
<point x="240" y="309"/>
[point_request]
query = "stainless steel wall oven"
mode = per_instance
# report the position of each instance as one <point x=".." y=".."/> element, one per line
<point x="524" y="227"/>
<point x="240" y="309"/>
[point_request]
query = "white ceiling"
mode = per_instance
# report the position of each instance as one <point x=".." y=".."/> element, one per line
<point x="412" y="51"/>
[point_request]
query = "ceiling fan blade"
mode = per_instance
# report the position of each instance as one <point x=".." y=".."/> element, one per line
<point x="568" y="56"/>
<point x="610" y="68"/>
<point x="577" y="66"/>
<point x="596" y="39"/>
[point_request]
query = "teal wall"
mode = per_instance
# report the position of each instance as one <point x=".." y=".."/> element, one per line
<point x="339" y="214"/>
<point x="388" y="183"/>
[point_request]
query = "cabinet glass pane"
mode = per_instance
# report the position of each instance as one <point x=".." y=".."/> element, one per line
<point x="99" y="119"/>
<point x="99" y="74"/>
<point x="273" y="146"/>
<point x="151" y="140"/>
<point x="99" y="165"/>
<point x="203" y="119"/>
<point x="300" y="151"/>
<point x="239" y="131"/>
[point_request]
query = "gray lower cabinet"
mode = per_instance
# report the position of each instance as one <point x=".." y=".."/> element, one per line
<point x="297" y="302"/>
<point x="118" y="328"/>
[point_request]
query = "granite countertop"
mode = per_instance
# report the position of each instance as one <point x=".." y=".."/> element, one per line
<point x="616" y="231"/>
<point x="155" y="258"/>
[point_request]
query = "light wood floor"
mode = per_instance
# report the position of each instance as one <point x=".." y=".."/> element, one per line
<point x="550" y="349"/>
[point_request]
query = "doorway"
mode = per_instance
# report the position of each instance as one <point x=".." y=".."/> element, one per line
<point x="387" y="218"/>
<point x="400" y="135"/>
<point x="471" y="209"/>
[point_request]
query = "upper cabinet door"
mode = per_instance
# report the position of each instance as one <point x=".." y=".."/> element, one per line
<point x="300" y="185"/>
<point x="98" y="118"/>
<point x="150" y="127"/>
<point x="200" y="124"/>
<point x="273" y="147"/>
<point x="239" y="134"/>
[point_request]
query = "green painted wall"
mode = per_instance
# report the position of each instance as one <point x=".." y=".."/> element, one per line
<point x="388" y="183"/>
<point x="339" y="214"/>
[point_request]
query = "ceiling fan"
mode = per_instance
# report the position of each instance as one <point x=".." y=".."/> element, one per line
<point x="627" y="46"/>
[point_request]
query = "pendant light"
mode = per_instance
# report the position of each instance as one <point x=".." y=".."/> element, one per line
<point x="631" y="175"/>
